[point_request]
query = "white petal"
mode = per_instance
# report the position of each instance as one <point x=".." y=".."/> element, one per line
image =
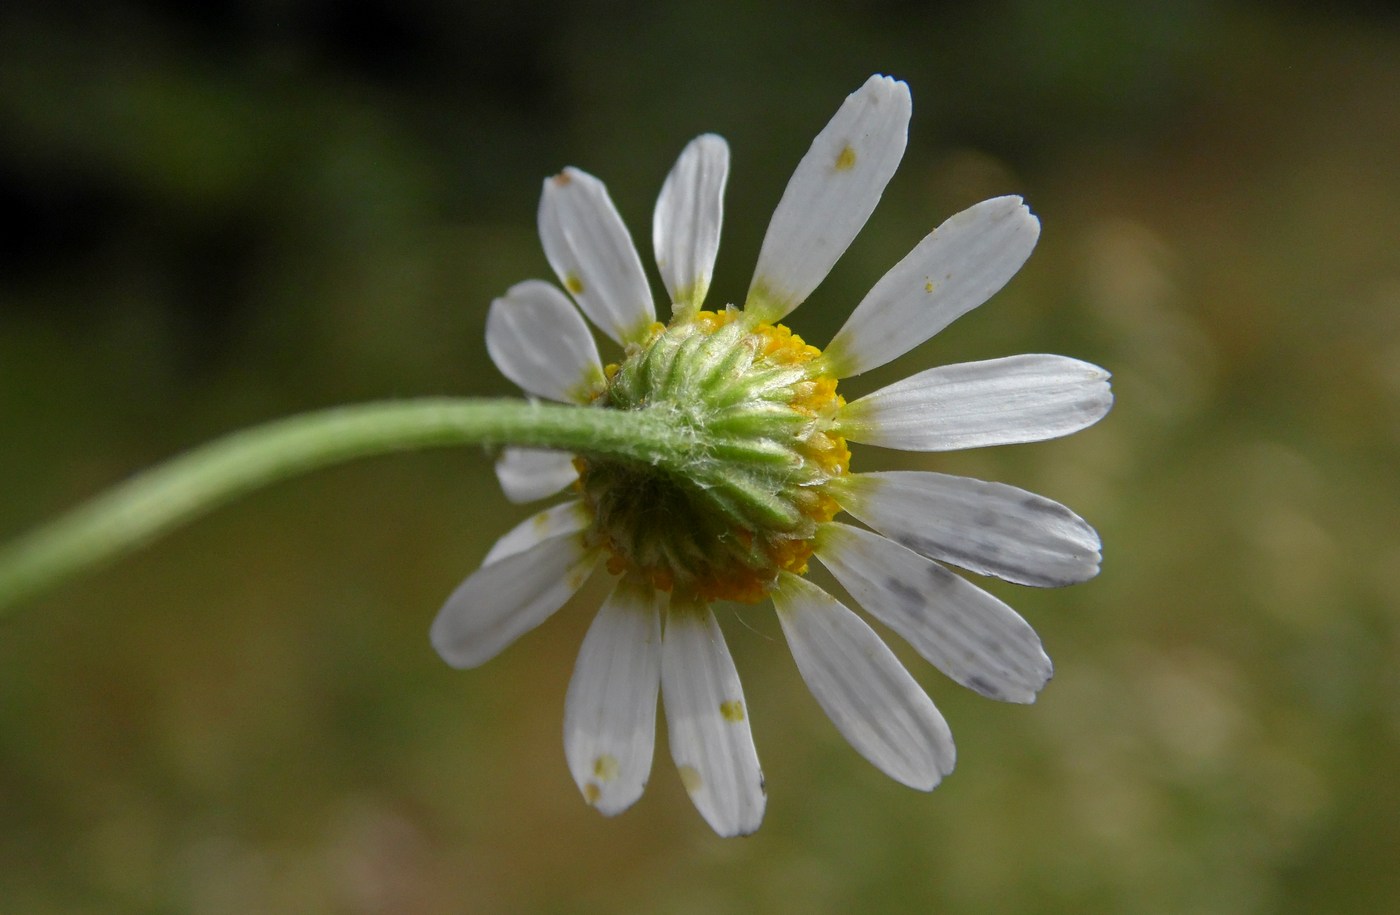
<point x="685" y="227"/>
<point x="707" y="722"/>
<point x="501" y="602"/>
<point x="987" y="528"/>
<point x="873" y="701"/>
<point x="610" y="709"/>
<point x="974" y="404"/>
<point x="957" y="267"/>
<point x="564" y="518"/>
<point x="959" y="628"/>
<point x="589" y="248"/>
<point x="527" y="474"/>
<point x="538" y="340"/>
<point x="830" y="196"/>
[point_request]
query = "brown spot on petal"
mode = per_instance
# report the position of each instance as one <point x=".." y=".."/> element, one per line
<point x="605" y="767"/>
<point x="562" y="179"/>
<point x="591" y="793"/>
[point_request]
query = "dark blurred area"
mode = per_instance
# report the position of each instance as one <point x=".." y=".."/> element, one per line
<point x="213" y="214"/>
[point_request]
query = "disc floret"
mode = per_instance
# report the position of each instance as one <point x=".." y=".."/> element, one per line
<point x="720" y="521"/>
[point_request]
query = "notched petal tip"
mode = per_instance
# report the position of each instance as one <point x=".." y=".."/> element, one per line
<point x="884" y="86"/>
<point x="1097" y="397"/>
<point x="1047" y="674"/>
<point x="1092" y="560"/>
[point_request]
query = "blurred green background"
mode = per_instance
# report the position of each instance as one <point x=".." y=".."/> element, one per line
<point x="222" y="212"/>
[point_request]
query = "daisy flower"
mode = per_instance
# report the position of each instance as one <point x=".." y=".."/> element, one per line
<point x="739" y="515"/>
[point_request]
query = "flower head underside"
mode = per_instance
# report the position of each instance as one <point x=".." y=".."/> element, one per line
<point x="739" y="513"/>
<point x="747" y="501"/>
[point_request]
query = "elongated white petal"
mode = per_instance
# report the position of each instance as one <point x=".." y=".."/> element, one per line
<point x="685" y="227"/>
<point x="502" y="601"/>
<point x="873" y="701"/>
<point x="564" y="518"/>
<point x="957" y="267"/>
<point x="610" y="709"/>
<point x="589" y="248"/>
<point x="527" y="474"/>
<point x="830" y="196"/>
<point x="974" y="404"/>
<point x="707" y="722"/>
<point x="987" y="528"/>
<point x="959" y="628"/>
<point x="538" y="340"/>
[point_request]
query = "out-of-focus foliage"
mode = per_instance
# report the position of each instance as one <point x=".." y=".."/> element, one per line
<point x="217" y="213"/>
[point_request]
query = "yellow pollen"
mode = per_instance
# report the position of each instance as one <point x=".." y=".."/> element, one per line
<point x="573" y="283"/>
<point x="605" y="767"/>
<point x="732" y="710"/>
<point x="711" y="321"/>
<point x="846" y="160"/>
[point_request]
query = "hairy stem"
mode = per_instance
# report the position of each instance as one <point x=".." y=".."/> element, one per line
<point x="147" y="505"/>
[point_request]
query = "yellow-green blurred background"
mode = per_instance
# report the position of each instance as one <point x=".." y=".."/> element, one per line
<point x="221" y="212"/>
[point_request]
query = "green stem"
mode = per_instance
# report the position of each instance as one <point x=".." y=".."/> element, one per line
<point x="151" y="503"/>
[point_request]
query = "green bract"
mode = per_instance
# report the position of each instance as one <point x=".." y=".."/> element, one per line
<point x="742" y="503"/>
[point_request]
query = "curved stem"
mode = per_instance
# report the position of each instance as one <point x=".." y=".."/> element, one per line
<point x="149" y="504"/>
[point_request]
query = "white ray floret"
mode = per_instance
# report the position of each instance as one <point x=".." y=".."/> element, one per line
<point x="502" y="601"/>
<point x="830" y="196"/>
<point x="873" y="701"/>
<point x="1005" y="401"/>
<point x="564" y="518"/>
<point x="610" y="708"/>
<point x="956" y="268"/>
<point x="707" y="722"/>
<point x="957" y="627"/>
<point x="538" y="340"/>
<point x="527" y="474"/>
<point x="987" y="528"/>
<point x="588" y="246"/>
<point x="686" y="224"/>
